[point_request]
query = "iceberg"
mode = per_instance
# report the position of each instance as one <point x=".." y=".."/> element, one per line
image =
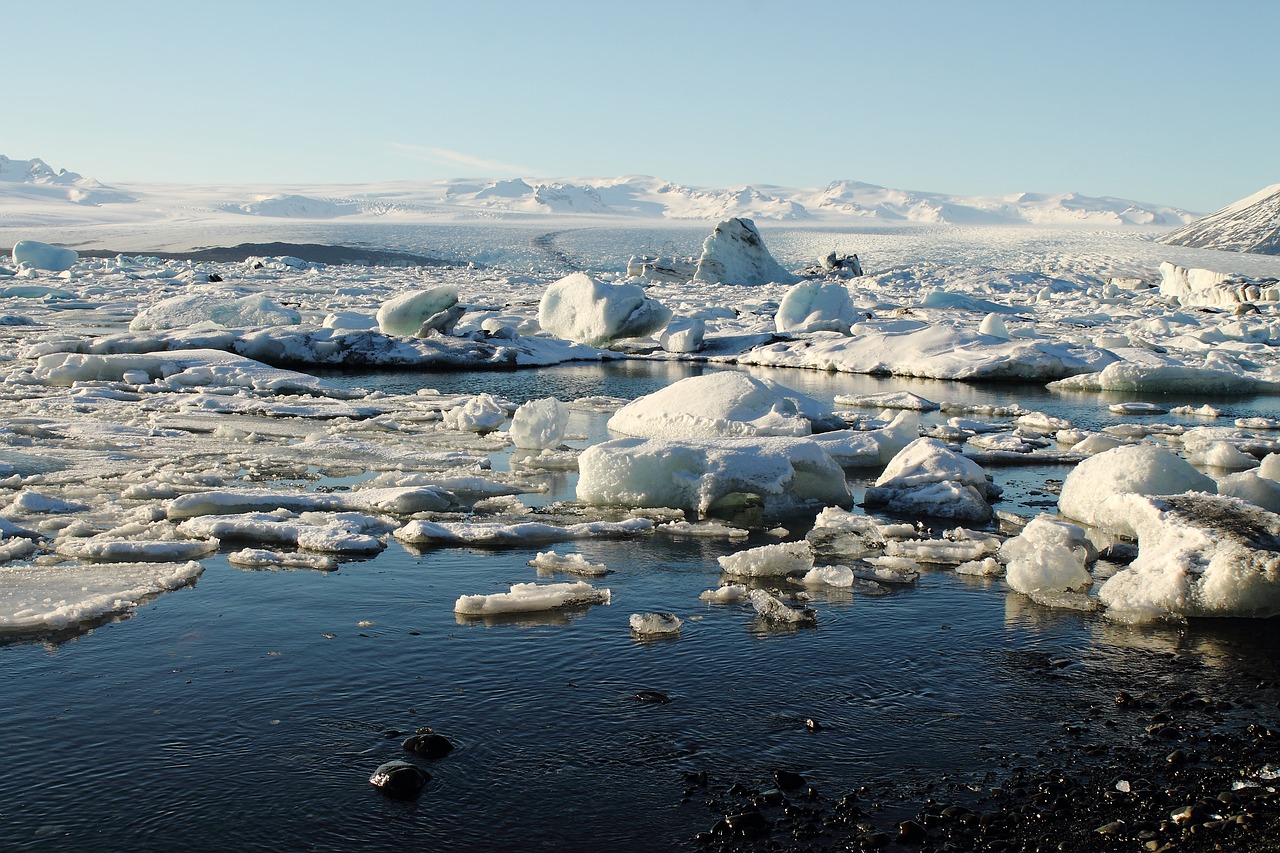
<point x="582" y="309"/>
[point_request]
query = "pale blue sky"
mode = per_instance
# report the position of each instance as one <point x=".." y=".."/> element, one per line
<point x="1169" y="102"/>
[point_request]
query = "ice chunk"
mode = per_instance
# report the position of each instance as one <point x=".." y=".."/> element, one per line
<point x="539" y="424"/>
<point x="582" y="309"/>
<point x="114" y="550"/>
<point x="655" y="624"/>
<point x="888" y="400"/>
<point x="735" y="254"/>
<point x="683" y="335"/>
<point x="572" y="564"/>
<point x="35" y="503"/>
<point x="726" y="404"/>
<point x="42" y="256"/>
<point x="404" y="500"/>
<point x="531" y="597"/>
<point x="1047" y="555"/>
<point x="840" y="576"/>
<point x="1198" y="555"/>
<point x="928" y="478"/>
<point x="784" y="558"/>
<point x="694" y="475"/>
<point x="414" y="313"/>
<point x="727" y="594"/>
<point x="816" y="306"/>
<point x="1252" y="487"/>
<point x="482" y="413"/>
<point x="51" y="598"/>
<point x="216" y="308"/>
<point x="1139" y="468"/>
<point x="771" y="608"/>
<point x="994" y="326"/>
<point x="703" y="529"/>
<point x="347" y="533"/>
<point x="1222" y="454"/>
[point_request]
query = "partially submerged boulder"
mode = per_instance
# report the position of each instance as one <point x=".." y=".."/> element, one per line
<point x="735" y="254"/>
<point x="581" y="309"/>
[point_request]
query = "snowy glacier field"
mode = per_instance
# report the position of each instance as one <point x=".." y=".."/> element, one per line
<point x="232" y="542"/>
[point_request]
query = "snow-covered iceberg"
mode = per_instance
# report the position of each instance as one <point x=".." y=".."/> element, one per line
<point x="585" y="310"/>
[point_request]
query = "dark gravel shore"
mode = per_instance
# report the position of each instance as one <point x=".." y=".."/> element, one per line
<point x="1164" y="751"/>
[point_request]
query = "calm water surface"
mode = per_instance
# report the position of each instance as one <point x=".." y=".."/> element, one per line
<point x="248" y="711"/>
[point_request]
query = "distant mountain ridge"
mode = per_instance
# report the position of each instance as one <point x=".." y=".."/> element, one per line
<point x="629" y="196"/>
<point x="1251" y="224"/>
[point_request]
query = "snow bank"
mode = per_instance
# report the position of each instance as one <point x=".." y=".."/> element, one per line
<point x="1198" y="555"/>
<point x="726" y="404"/>
<point x="580" y="308"/>
<point x="735" y="254"/>
<point x="1138" y="468"/>
<point x="531" y="597"/>
<point x="218" y="309"/>
<point x="56" y="597"/>
<point x="928" y="478"/>
<point x="695" y="474"/>
<point x="816" y="306"/>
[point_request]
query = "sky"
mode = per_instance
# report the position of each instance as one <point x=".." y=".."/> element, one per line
<point x="1164" y="101"/>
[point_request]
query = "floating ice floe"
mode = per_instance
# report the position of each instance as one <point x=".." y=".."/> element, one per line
<point x="259" y="558"/>
<point x="783" y="558"/>
<point x="730" y="593"/>
<point x="727" y="404"/>
<point x="481" y="413"/>
<point x="683" y="335"/>
<point x="571" y="564"/>
<point x="117" y="550"/>
<point x="702" y="530"/>
<point x="838" y="534"/>
<point x="785" y="473"/>
<point x="937" y="352"/>
<point x="734" y="253"/>
<point x="226" y="309"/>
<point x="404" y="500"/>
<point x="1198" y="555"/>
<point x="43" y="598"/>
<point x="531" y="597"/>
<point x="1251" y="486"/>
<point x="888" y="400"/>
<point x="1138" y="468"/>
<point x="521" y="533"/>
<point x="928" y="478"/>
<point x="344" y="533"/>
<point x="581" y="309"/>
<point x="1155" y="373"/>
<point x="655" y="624"/>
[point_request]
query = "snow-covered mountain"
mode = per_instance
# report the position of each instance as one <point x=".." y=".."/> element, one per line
<point x="629" y="197"/>
<point x="1250" y="225"/>
<point x="36" y="180"/>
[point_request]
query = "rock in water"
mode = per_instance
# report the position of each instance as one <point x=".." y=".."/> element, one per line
<point x="399" y="780"/>
<point x="428" y="744"/>
<point x="42" y="256"/>
<point x="735" y="254"/>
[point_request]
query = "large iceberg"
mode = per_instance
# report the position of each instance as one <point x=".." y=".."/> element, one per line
<point x="42" y="256"/>
<point x="724" y="404"/>
<point x="579" y="308"/>
<point x="735" y="254"/>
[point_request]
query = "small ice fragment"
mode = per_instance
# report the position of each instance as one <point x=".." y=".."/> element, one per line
<point x="574" y="564"/>
<point x="531" y="597"/>
<point x="727" y="594"/>
<point x="773" y="609"/>
<point x="654" y="624"/>
<point x="785" y="558"/>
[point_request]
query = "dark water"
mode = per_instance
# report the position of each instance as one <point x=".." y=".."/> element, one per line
<point x="248" y="711"/>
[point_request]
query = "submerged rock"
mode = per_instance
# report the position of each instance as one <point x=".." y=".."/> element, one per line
<point x="428" y="744"/>
<point x="400" y="780"/>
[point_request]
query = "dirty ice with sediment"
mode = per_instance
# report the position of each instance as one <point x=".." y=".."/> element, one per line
<point x="159" y="408"/>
